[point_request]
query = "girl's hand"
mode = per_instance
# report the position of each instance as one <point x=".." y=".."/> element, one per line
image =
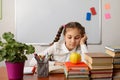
<point x="59" y="63"/>
<point x="83" y="39"/>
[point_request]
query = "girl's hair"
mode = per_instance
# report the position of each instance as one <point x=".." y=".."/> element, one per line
<point x="69" y="25"/>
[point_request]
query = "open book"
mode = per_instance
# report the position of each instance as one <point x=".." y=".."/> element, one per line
<point x="29" y="70"/>
<point x="56" y="69"/>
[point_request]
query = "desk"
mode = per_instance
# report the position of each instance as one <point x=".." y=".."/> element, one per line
<point x="3" y="76"/>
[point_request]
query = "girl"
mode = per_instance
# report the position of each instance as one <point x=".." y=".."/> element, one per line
<point x="74" y="41"/>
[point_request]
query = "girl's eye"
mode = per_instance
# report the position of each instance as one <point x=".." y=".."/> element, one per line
<point x="77" y="37"/>
<point x="69" y="37"/>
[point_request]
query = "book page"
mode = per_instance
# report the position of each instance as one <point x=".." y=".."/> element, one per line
<point x="56" y="69"/>
<point x="29" y="70"/>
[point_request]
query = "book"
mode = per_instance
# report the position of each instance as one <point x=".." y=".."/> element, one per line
<point x="102" y="79"/>
<point x="116" y="78"/>
<point x="56" y="69"/>
<point x="116" y="60"/>
<point x="98" y="58"/>
<point x="75" y="75"/>
<point x="113" y="48"/>
<point x="73" y="72"/>
<point x="29" y="70"/>
<point x="98" y="64"/>
<point x="101" y="71"/>
<point x="78" y="78"/>
<point x="79" y="70"/>
<point x="116" y="73"/>
<point x="117" y="66"/>
<point x="112" y="53"/>
<point x="101" y="67"/>
<point x="104" y="75"/>
<point x="67" y="75"/>
<point x="78" y="66"/>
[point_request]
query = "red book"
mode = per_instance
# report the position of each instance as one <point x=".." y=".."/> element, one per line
<point x="79" y="66"/>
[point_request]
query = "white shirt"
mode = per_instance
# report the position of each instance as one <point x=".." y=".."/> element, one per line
<point x="60" y="52"/>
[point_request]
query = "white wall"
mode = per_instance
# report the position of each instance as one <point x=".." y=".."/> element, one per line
<point x="110" y="28"/>
<point x="8" y="18"/>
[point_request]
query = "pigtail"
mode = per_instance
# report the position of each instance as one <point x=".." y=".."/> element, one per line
<point x="58" y="35"/>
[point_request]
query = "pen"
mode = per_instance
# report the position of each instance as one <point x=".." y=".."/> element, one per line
<point x="37" y="58"/>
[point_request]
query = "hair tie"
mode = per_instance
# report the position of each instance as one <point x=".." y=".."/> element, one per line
<point x="64" y="26"/>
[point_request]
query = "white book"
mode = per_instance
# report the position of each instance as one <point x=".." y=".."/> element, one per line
<point x="29" y="70"/>
<point x="113" y="48"/>
<point x="56" y="69"/>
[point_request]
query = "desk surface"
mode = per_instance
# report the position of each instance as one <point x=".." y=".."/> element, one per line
<point x="3" y="76"/>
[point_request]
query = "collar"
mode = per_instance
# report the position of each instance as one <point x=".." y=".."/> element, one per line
<point x="64" y="48"/>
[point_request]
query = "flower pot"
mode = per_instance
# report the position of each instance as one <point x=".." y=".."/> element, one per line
<point x="15" y="70"/>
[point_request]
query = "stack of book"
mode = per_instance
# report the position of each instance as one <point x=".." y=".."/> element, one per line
<point x="114" y="51"/>
<point x="79" y="71"/>
<point x="100" y="64"/>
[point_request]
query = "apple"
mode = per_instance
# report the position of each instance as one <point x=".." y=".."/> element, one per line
<point x="75" y="57"/>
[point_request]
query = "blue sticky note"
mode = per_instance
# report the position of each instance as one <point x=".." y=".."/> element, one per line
<point x="88" y="16"/>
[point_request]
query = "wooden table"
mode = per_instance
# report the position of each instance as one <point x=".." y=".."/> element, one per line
<point x="57" y="76"/>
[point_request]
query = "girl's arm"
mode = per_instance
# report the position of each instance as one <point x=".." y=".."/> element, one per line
<point x="83" y="39"/>
<point x="83" y="46"/>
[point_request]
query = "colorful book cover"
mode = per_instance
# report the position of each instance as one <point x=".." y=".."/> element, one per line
<point x="80" y="71"/>
<point x="81" y="66"/>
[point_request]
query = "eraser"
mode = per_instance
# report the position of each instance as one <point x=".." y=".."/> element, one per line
<point x="93" y="11"/>
<point x="88" y="16"/>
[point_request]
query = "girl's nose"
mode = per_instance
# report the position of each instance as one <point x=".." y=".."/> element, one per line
<point x="72" y="40"/>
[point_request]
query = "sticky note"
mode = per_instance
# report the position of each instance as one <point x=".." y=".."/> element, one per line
<point x="88" y="16"/>
<point x="107" y="6"/>
<point x="107" y="16"/>
<point x="93" y="11"/>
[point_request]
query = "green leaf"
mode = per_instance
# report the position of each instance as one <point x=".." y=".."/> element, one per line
<point x="30" y="50"/>
<point x="12" y="50"/>
<point x="8" y="36"/>
<point x="1" y="44"/>
<point x="1" y="59"/>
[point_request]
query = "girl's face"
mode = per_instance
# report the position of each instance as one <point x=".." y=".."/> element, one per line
<point x="72" y="38"/>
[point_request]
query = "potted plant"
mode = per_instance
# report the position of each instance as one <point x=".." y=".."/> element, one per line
<point x="14" y="54"/>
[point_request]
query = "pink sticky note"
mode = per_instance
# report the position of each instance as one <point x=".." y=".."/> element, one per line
<point x="107" y="6"/>
<point x="107" y="16"/>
